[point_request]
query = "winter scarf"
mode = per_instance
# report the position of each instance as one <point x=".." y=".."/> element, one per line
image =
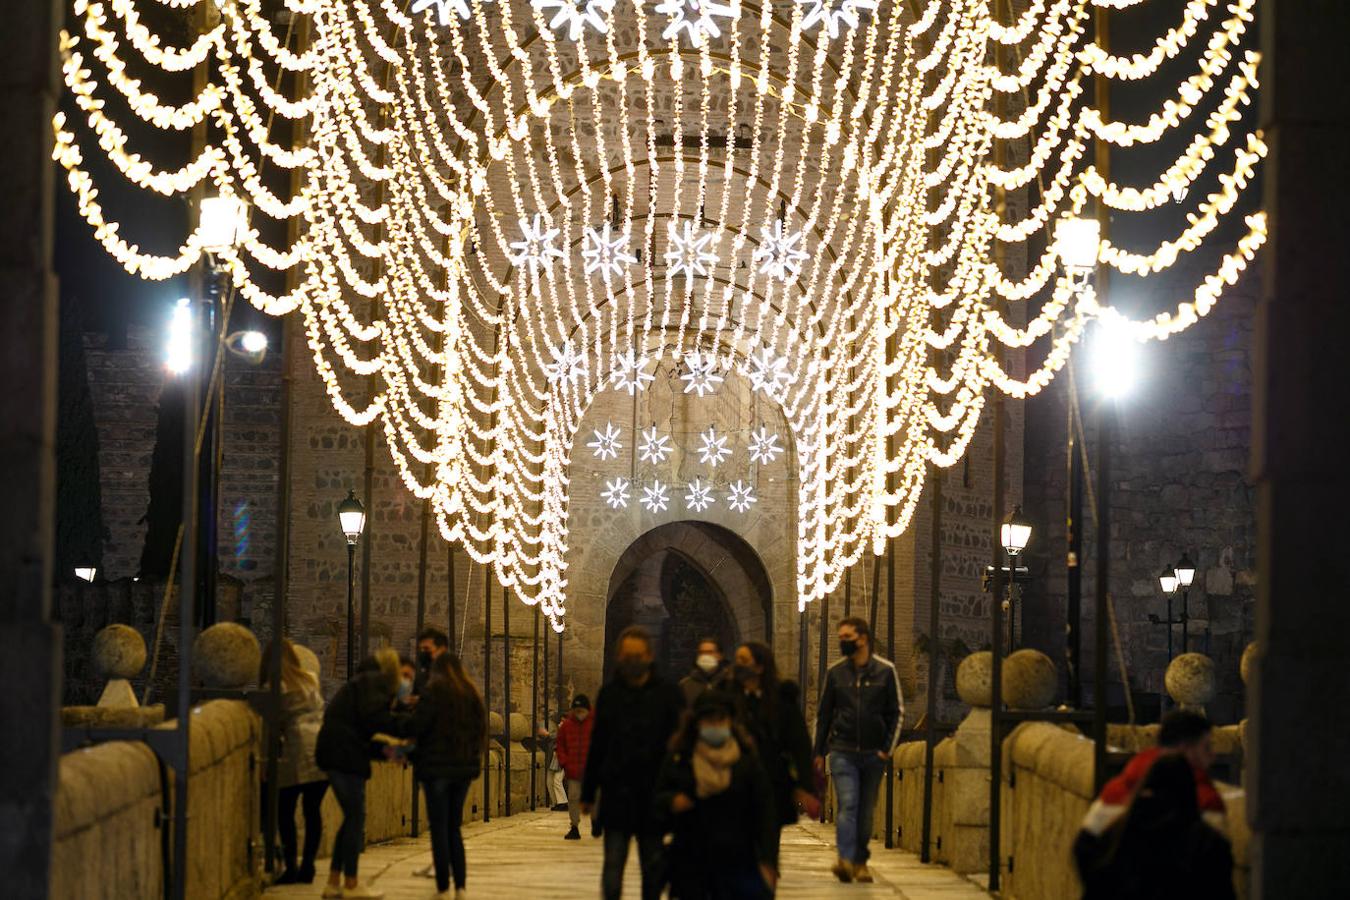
<point x="712" y="767"/>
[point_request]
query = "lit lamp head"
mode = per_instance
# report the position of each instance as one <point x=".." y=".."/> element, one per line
<point x="1113" y="356"/>
<point x="178" y="343"/>
<point x="248" y="345"/>
<point x="1016" y="532"/>
<point x="1185" y="571"/>
<point x="86" y="573"/>
<point x="352" y="516"/>
<point x="1077" y="242"/>
<point x="1167" y="580"/>
<point x="222" y="222"/>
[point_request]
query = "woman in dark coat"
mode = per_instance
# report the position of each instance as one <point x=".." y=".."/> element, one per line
<point x="771" y="712"/>
<point x="713" y="795"/>
<point x="449" y="725"/>
<point x="1161" y="848"/>
<point x="358" y="711"/>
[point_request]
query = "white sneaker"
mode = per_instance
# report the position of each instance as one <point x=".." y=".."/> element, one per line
<point x="427" y="871"/>
<point x="331" y="890"/>
<point x="362" y="891"/>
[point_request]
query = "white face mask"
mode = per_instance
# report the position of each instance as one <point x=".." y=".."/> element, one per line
<point x="707" y="663"/>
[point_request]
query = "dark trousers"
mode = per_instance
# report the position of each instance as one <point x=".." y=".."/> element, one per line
<point x="310" y="798"/>
<point x="445" y="814"/>
<point x="350" y="791"/>
<point x="651" y="857"/>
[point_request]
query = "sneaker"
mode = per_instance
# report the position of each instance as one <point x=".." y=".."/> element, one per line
<point x="572" y="835"/>
<point x="861" y="873"/>
<point x="331" y="890"/>
<point x="560" y="807"/>
<point x="427" y="871"/>
<point x="843" y="870"/>
<point x="363" y="891"/>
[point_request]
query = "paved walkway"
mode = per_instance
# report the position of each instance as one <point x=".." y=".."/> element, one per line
<point x="524" y="856"/>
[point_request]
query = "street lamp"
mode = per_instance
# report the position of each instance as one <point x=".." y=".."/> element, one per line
<point x="86" y="573"/>
<point x="1077" y="243"/>
<point x="352" y="518"/>
<point x="1014" y="535"/>
<point x="1168" y="582"/>
<point x="1185" y="573"/>
<point x="221" y="222"/>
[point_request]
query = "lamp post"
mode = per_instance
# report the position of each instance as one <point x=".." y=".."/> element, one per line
<point x="352" y="517"/>
<point x="1185" y="574"/>
<point x="1167" y="581"/>
<point x="1014" y="535"/>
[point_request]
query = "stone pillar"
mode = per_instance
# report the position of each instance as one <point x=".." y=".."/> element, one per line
<point x="967" y="786"/>
<point x="1298" y="777"/>
<point x="30" y="666"/>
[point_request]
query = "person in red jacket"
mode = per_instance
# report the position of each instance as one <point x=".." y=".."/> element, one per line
<point x="574" y="741"/>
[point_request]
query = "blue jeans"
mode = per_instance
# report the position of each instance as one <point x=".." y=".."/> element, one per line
<point x="350" y="791"/>
<point x="445" y="812"/>
<point x="857" y="776"/>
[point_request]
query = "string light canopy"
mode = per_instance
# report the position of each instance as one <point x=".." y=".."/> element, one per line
<point x="503" y="207"/>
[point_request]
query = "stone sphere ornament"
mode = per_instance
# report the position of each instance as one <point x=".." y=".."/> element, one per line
<point x="119" y="652"/>
<point x="1245" y="664"/>
<point x="226" y="655"/>
<point x="1190" y="680"/>
<point x="974" y="679"/>
<point x="1029" y="680"/>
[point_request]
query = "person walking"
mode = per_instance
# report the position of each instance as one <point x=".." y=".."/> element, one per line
<point x="1161" y="847"/>
<point x="771" y="712"/>
<point x="359" y="710"/>
<point x="449" y="725"/>
<point x="857" y="724"/>
<point x="574" y="742"/>
<point x="300" y="781"/>
<point x="715" y="798"/>
<point x="635" y="715"/>
<point x="710" y="671"/>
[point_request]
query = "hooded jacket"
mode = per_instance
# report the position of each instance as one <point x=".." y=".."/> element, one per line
<point x="861" y="709"/>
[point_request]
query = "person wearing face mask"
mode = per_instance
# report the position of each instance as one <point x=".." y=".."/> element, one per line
<point x="431" y="643"/>
<point x="710" y="671"/>
<point x="858" y="724"/>
<point x="635" y="715"/>
<point x="574" y="743"/>
<point x="715" y="798"/>
<point x="771" y="712"/>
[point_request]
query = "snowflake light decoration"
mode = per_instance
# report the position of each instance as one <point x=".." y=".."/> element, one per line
<point x="630" y="372"/>
<point x="568" y="363"/>
<point x="616" y="493"/>
<point x="654" y="448"/>
<point x="834" y="13"/>
<point x="699" y="497"/>
<point x="695" y="18"/>
<point x="690" y="250"/>
<point x="535" y="250"/>
<point x="656" y="498"/>
<point x="701" y="377"/>
<point x="606" y="444"/>
<point x="576" y="15"/>
<point x="764" y="446"/>
<point x="443" y="9"/>
<point x="606" y="254"/>
<point x="714" y="448"/>
<point x="741" y="496"/>
<point x="780" y="254"/>
<point x="768" y="372"/>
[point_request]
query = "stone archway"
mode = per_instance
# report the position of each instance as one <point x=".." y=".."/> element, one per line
<point x="684" y="581"/>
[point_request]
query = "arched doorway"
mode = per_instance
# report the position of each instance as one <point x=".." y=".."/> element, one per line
<point x="685" y="581"/>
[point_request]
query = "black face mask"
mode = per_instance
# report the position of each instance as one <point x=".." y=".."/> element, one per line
<point x="633" y="669"/>
<point x="424" y="659"/>
<point x="848" y="648"/>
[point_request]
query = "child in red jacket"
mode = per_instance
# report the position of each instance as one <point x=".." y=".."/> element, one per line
<point x="574" y="741"/>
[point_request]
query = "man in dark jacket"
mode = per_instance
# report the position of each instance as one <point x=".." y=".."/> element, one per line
<point x="710" y="672"/>
<point x="858" y="724"/>
<point x="635" y="715"/>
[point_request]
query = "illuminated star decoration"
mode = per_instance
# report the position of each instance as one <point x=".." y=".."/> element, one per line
<point x="833" y="13"/>
<point x="606" y="444"/>
<point x="702" y="377"/>
<point x="714" y="448"/>
<point x="576" y="15"/>
<point x="768" y="372"/>
<point x="630" y="372"/>
<point x="605" y="254"/>
<point x="741" y="496"/>
<point x="689" y="251"/>
<point x="695" y="17"/>
<point x="764" y="446"/>
<point x="656" y="498"/>
<point x="535" y="250"/>
<point x="616" y="493"/>
<point x="654" y="448"/>
<point x="700" y="496"/>
<point x="780" y="253"/>
<point x="567" y="364"/>
<point x="443" y="8"/>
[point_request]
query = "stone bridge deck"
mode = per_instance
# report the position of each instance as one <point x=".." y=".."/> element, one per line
<point x="525" y="856"/>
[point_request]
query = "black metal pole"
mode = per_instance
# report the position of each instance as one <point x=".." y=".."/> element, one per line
<point x="451" y="614"/>
<point x="351" y="607"/>
<point x="1073" y="567"/>
<point x="421" y="621"/>
<point x="1105" y="426"/>
<point x="563" y="699"/>
<point x="935" y="656"/>
<point x="890" y="648"/>
<point x="506" y="697"/>
<point x="207" y="484"/>
<point x="1185" y="620"/>
<point x="821" y="663"/>
<point x="996" y="660"/>
<point x="1169" y="628"/>
<point x="534" y="712"/>
<point x="547" y="685"/>
<point x="802" y="645"/>
<point x="487" y="688"/>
